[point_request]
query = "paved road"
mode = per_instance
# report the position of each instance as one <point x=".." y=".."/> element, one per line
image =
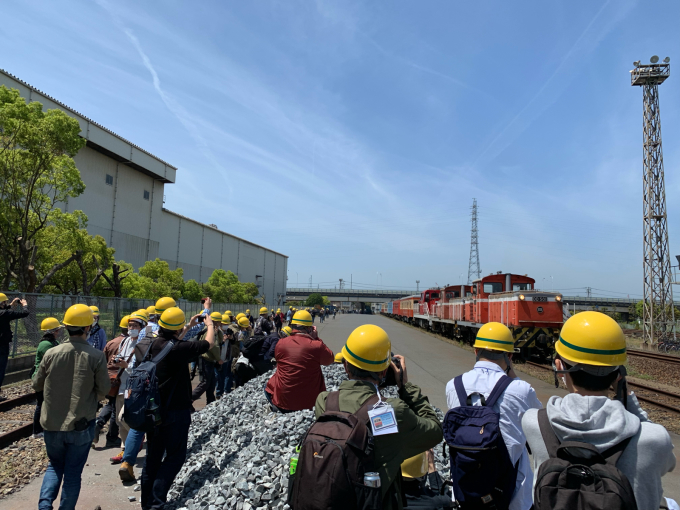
<point x="431" y="363"/>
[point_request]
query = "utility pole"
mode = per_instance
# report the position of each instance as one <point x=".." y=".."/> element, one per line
<point x="474" y="271"/>
<point x="340" y="283"/>
<point x="588" y="289"/>
<point x="417" y="285"/>
<point x="658" y="317"/>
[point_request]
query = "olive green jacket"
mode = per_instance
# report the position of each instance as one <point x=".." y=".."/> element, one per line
<point x="419" y="430"/>
<point x="74" y="378"/>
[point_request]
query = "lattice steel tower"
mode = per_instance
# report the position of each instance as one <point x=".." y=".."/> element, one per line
<point x="659" y="314"/>
<point x="473" y="268"/>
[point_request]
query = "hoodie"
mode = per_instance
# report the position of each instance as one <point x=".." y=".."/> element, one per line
<point x="604" y="423"/>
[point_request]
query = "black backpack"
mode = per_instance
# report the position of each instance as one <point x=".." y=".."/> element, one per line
<point x="334" y="455"/>
<point x="577" y="476"/>
<point x="252" y="346"/>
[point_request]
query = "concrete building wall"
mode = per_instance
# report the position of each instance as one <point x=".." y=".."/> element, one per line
<point x="128" y="211"/>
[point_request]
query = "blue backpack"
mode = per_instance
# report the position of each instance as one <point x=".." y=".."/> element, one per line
<point x="142" y="398"/>
<point x="481" y="471"/>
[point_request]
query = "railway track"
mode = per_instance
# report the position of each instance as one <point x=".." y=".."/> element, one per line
<point x="23" y="430"/>
<point x="643" y="387"/>
<point x="654" y="355"/>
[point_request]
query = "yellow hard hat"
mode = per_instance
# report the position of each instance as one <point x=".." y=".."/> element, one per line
<point x="287" y="330"/>
<point x="216" y="316"/>
<point x="339" y="357"/>
<point x="228" y="312"/>
<point x="247" y="312"/>
<point x="164" y="303"/>
<point x="78" y="316"/>
<point x="151" y="310"/>
<point x="3" y="297"/>
<point x="124" y="322"/>
<point x="494" y="336"/>
<point x="139" y="315"/>
<point x="592" y="338"/>
<point x="226" y="318"/>
<point x="173" y="318"/>
<point x="95" y="311"/>
<point x="368" y="347"/>
<point x="244" y="322"/>
<point x="49" y="323"/>
<point x="277" y="310"/>
<point x="290" y="307"/>
<point x="263" y="310"/>
<point x="302" y="318"/>
<point x="240" y="315"/>
<point x="415" y="467"/>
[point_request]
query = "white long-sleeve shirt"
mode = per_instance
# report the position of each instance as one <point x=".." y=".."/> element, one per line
<point x="517" y="399"/>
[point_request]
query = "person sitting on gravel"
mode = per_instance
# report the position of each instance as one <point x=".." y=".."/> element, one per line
<point x="367" y="358"/>
<point x="422" y="484"/>
<point x="166" y="448"/>
<point x="590" y="357"/>
<point x="494" y="347"/>
<point x="298" y="378"/>
<point x="50" y="339"/>
<point x="74" y="379"/>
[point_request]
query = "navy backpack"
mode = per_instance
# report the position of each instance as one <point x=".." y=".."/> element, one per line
<point x="142" y="398"/>
<point x="481" y="471"/>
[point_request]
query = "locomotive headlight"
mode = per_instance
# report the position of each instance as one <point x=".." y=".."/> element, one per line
<point x="558" y="298"/>
<point x="521" y="297"/>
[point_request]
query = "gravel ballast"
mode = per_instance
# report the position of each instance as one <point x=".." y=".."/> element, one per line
<point x="238" y="450"/>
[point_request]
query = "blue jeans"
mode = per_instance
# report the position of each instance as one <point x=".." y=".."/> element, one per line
<point x="67" y="452"/>
<point x="133" y="443"/>
<point x="4" y="357"/>
<point x="225" y="379"/>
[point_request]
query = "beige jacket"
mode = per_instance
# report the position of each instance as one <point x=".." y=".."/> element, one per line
<point x="74" y="378"/>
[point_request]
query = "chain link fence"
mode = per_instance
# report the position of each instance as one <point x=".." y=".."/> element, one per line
<point x="27" y="332"/>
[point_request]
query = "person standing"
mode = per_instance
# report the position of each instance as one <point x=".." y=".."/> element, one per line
<point x="7" y="315"/>
<point x="97" y="337"/>
<point x="209" y="361"/>
<point x="167" y="444"/>
<point x="69" y="410"/>
<point x="289" y="315"/>
<point x="50" y="339"/>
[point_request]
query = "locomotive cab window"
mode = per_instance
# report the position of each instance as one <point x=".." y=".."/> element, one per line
<point x="434" y="295"/>
<point x="490" y="288"/>
<point x="521" y="286"/>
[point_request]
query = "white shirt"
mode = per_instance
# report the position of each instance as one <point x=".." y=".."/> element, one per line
<point x="125" y="351"/>
<point x="511" y="406"/>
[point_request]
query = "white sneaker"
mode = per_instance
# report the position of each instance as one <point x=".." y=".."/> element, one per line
<point x="39" y="435"/>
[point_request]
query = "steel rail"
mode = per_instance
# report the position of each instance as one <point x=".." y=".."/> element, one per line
<point x="653" y="355"/>
<point x="6" y="405"/>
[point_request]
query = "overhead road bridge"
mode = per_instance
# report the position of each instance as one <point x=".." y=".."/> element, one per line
<point x="619" y="305"/>
<point x="346" y="295"/>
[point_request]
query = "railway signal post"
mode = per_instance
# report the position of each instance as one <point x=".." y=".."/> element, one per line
<point x="659" y="313"/>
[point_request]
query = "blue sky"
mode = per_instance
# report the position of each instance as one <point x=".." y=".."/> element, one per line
<point x="352" y="136"/>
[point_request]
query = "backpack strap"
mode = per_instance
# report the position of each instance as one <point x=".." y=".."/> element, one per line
<point x="333" y="402"/>
<point x="549" y="437"/>
<point x="460" y="390"/>
<point x="613" y="454"/>
<point x="498" y="390"/>
<point x="362" y="412"/>
<point x="159" y="357"/>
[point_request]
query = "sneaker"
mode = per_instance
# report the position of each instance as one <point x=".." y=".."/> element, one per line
<point x="97" y="432"/>
<point x="126" y="473"/>
<point x="118" y="458"/>
<point x="39" y="435"/>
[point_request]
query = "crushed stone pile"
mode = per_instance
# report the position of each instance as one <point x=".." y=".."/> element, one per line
<point x="239" y="450"/>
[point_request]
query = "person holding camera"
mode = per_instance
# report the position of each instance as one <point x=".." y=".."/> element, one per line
<point x="73" y="379"/>
<point x="298" y="378"/>
<point x="414" y="427"/>
<point x="7" y="316"/>
<point x="591" y="354"/>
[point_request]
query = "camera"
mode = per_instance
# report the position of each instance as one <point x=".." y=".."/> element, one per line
<point x="391" y="376"/>
<point x="201" y="318"/>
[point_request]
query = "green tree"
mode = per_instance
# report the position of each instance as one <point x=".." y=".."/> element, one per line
<point x="314" y="299"/>
<point x="225" y="287"/>
<point x="326" y="301"/>
<point x="154" y="280"/>
<point x="192" y="291"/>
<point x="37" y="172"/>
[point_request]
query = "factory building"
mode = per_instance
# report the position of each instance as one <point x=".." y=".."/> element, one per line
<point x="124" y="201"/>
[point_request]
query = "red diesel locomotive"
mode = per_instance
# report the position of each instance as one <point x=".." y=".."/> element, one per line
<point x="458" y="311"/>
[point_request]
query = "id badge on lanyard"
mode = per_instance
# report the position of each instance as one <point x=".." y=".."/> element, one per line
<point x="382" y="418"/>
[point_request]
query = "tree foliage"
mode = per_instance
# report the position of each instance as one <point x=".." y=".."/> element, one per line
<point x="154" y="280"/>
<point x="225" y="287"/>
<point x="37" y="172"/>
<point x="314" y="299"/>
<point x="193" y="291"/>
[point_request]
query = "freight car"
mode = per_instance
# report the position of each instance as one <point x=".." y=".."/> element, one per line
<point x="535" y="317"/>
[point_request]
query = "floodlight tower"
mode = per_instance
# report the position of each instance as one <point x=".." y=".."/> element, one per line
<point x="658" y="311"/>
<point x="474" y="271"/>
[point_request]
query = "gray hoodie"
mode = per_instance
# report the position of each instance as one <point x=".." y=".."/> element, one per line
<point x="604" y="423"/>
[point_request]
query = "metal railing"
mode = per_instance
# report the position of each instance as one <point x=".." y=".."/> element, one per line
<point x="347" y="291"/>
<point x="27" y="332"/>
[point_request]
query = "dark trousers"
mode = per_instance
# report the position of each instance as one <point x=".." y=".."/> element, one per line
<point x="108" y="413"/>
<point x="170" y="439"/>
<point x="207" y="382"/>
<point x="4" y="358"/>
<point x="37" y="428"/>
